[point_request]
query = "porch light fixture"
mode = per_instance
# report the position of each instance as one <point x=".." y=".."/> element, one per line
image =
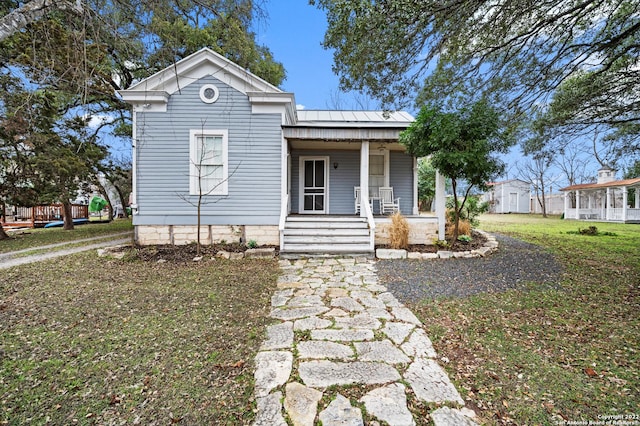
<point x="335" y="165"/>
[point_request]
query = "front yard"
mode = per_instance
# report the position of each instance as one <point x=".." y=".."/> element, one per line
<point x="545" y="356"/>
<point x="93" y="341"/>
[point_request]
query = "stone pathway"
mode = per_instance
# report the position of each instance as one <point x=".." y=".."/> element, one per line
<point x="339" y="328"/>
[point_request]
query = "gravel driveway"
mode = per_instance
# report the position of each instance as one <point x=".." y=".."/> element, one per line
<point x="515" y="264"/>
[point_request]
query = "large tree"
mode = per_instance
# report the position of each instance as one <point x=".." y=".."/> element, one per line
<point x="520" y="50"/>
<point x="76" y="54"/>
<point x="463" y="145"/>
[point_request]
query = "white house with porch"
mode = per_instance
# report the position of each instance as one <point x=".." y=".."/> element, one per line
<point x="307" y="181"/>
<point x="607" y="200"/>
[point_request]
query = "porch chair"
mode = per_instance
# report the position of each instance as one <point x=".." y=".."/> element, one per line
<point x="357" y="195"/>
<point x="388" y="204"/>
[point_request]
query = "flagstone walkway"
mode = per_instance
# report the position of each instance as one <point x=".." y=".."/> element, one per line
<point x="338" y="329"/>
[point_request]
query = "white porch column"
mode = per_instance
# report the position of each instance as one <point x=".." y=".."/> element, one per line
<point x="416" y="209"/>
<point x="364" y="176"/>
<point x="567" y="198"/>
<point x="624" y="203"/>
<point x="636" y="194"/>
<point x="608" y="204"/>
<point x="578" y="204"/>
<point x="440" y="204"/>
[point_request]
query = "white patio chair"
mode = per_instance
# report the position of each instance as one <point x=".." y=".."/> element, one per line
<point x="388" y="204"/>
<point x="357" y="195"/>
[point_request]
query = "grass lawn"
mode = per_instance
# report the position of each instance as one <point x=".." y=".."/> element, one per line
<point x="88" y="340"/>
<point x="44" y="236"/>
<point x="541" y="356"/>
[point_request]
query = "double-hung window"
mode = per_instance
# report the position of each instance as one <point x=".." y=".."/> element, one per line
<point x="208" y="162"/>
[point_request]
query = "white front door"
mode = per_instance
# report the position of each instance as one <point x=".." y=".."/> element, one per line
<point x="378" y="171"/>
<point x="313" y="185"/>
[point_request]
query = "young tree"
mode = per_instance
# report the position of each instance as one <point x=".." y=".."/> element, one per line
<point x="463" y="145"/>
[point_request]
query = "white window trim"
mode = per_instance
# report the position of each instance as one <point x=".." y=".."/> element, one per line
<point x="223" y="188"/>
<point x="204" y="88"/>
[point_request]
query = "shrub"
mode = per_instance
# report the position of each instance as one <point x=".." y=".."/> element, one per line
<point x="465" y="238"/>
<point x="473" y="208"/>
<point x="399" y="232"/>
<point x="464" y="227"/>
<point x="252" y="244"/>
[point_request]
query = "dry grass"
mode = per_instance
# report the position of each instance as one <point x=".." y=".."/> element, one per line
<point x="88" y="340"/>
<point x="399" y="232"/>
<point x="464" y="228"/>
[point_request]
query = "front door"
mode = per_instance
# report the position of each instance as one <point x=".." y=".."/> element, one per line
<point x="313" y="185"/>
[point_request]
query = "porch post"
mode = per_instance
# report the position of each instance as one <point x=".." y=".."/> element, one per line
<point x="578" y="204"/>
<point x="636" y="193"/>
<point x="440" y="204"/>
<point x="416" y="209"/>
<point x="364" y="176"/>
<point x="608" y="204"/>
<point x="624" y="203"/>
<point x="566" y="204"/>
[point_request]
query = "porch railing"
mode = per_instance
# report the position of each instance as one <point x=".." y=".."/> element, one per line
<point x="633" y="214"/>
<point x="371" y="222"/>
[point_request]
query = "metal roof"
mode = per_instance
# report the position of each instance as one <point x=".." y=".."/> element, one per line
<point x="354" y="119"/>
<point x="615" y="183"/>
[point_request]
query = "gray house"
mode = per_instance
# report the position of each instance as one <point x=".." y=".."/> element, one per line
<point x="208" y="129"/>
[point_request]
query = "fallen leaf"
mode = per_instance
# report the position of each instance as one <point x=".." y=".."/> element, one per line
<point x="590" y="372"/>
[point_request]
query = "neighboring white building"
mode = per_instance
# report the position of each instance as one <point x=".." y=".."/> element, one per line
<point x="510" y="196"/>
<point x="606" y="200"/>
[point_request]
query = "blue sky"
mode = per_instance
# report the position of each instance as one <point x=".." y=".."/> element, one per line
<point x="294" y="31"/>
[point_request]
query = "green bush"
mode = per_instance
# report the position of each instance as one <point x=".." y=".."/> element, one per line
<point x="473" y="208"/>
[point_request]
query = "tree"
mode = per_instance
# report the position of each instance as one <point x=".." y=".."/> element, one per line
<point x="535" y="172"/>
<point x="426" y="183"/>
<point x="30" y="12"/>
<point x="462" y="145"/>
<point x="76" y="53"/>
<point x="519" y="51"/>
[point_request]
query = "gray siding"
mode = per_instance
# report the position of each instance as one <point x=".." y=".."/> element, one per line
<point x="401" y="179"/>
<point x="163" y="161"/>
<point x="347" y="175"/>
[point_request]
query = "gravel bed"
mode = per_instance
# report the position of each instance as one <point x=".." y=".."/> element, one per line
<point x="513" y="266"/>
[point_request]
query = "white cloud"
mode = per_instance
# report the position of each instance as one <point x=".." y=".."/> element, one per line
<point x="299" y="106"/>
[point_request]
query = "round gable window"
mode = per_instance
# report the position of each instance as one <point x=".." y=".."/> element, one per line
<point x="209" y="93"/>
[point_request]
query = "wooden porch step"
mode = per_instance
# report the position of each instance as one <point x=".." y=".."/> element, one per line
<point x="326" y="235"/>
<point x="327" y="248"/>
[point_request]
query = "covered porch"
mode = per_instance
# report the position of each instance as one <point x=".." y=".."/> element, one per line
<point x="605" y="202"/>
<point x="340" y="167"/>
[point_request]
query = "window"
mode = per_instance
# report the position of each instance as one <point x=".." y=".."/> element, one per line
<point x="209" y="93"/>
<point x="208" y="169"/>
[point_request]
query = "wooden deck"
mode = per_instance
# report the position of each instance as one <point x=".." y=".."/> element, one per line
<point x="39" y="216"/>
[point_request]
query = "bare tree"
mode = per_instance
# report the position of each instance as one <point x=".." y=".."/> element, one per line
<point x="535" y="171"/>
<point x="203" y="173"/>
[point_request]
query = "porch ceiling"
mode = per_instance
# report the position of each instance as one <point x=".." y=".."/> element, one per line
<point x="341" y="134"/>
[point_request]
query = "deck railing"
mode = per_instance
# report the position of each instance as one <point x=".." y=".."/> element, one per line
<point x="40" y="215"/>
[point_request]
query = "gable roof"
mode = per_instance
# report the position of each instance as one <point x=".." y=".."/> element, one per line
<point x="615" y="183"/>
<point x="200" y="64"/>
<point x="507" y="181"/>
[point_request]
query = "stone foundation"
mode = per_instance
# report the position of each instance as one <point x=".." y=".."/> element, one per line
<point x="420" y="232"/>
<point x="209" y="234"/>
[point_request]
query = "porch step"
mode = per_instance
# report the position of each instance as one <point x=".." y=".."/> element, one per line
<point x="326" y="235"/>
